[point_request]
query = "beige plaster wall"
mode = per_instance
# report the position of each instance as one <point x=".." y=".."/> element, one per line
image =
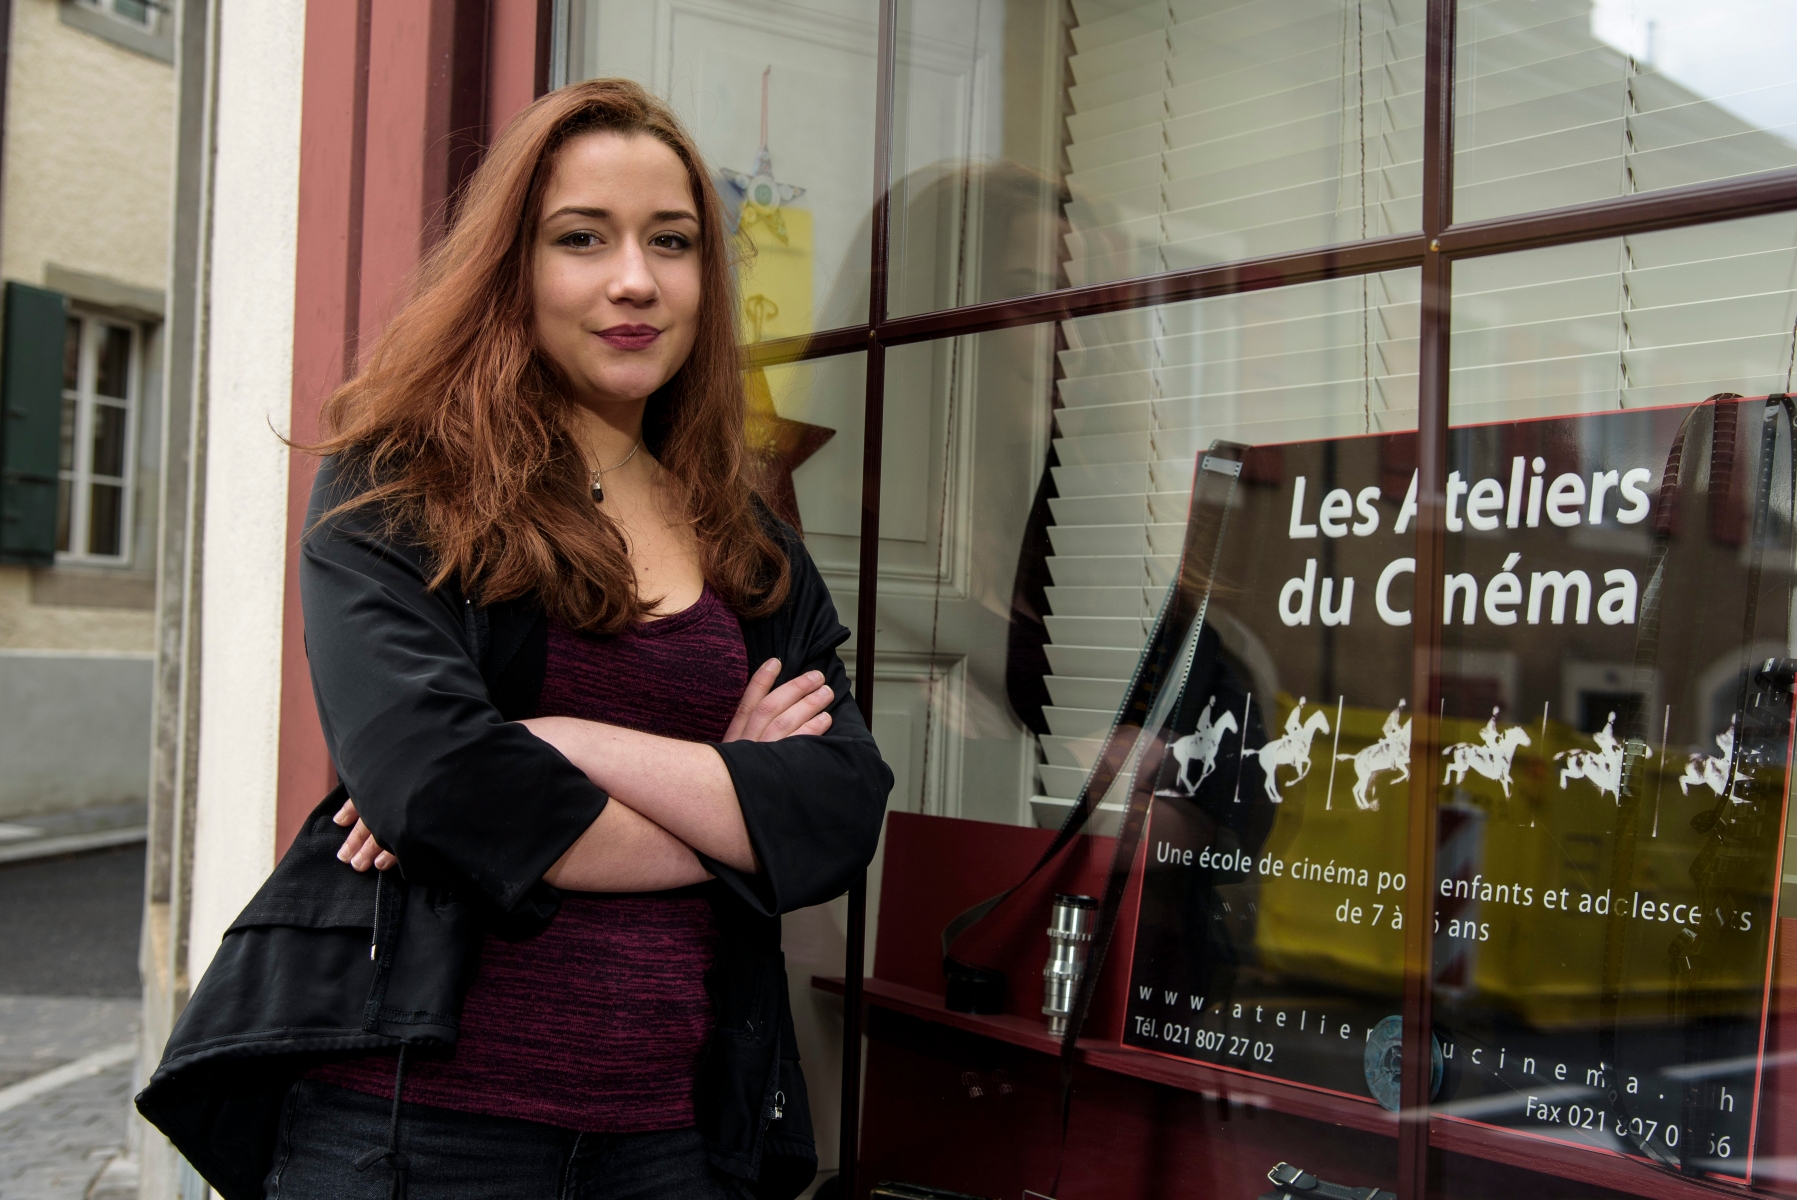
<point x="87" y="177"/>
<point x="89" y="153"/>
<point x="33" y="626"/>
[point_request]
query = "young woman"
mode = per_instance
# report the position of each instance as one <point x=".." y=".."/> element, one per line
<point x="584" y="692"/>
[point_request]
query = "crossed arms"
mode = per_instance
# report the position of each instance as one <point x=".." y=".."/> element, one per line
<point x="671" y="800"/>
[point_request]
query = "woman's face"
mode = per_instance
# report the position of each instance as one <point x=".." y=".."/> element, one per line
<point x="617" y="267"/>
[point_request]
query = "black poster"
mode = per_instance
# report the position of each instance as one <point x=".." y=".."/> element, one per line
<point x="1616" y="731"/>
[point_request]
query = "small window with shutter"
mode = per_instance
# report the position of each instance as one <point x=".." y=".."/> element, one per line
<point x="31" y="435"/>
<point x="97" y="429"/>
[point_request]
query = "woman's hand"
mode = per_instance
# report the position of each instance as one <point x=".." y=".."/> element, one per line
<point x="794" y="709"/>
<point x="359" y="849"/>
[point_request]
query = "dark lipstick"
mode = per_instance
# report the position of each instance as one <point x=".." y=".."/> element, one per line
<point x="630" y="337"/>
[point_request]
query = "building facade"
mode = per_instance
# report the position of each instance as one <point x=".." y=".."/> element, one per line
<point x="90" y="94"/>
<point x="1035" y="276"/>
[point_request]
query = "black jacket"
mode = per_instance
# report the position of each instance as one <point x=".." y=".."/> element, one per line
<point x="418" y="692"/>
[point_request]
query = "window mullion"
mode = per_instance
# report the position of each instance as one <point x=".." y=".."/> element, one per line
<point x="1431" y="460"/>
<point x="868" y="576"/>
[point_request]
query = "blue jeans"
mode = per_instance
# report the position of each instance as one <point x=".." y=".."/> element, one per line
<point x="466" y="1156"/>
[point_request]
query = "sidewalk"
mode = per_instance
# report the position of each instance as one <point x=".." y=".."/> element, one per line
<point x="73" y="832"/>
<point x="66" y="1143"/>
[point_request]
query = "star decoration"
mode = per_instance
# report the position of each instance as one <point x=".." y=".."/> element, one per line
<point x="777" y="446"/>
<point x="758" y="194"/>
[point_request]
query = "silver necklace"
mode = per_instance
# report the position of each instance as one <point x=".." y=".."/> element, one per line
<point x="599" y="473"/>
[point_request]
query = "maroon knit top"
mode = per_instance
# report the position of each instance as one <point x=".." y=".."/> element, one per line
<point x="597" y="1023"/>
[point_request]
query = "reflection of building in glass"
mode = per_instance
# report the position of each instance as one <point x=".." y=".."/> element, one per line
<point x="1193" y="164"/>
<point x="1551" y="113"/>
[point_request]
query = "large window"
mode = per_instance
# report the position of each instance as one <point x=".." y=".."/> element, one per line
<point x="1062" y="306"/>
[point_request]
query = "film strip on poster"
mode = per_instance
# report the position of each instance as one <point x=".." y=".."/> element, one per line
<point x="1616" y="734"/>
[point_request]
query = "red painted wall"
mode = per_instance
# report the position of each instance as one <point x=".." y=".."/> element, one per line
<point x="389" y="86"/>
<point x="519" y="58"/>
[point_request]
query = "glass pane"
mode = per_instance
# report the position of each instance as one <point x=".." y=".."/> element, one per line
<point x="1561" y="103"/>
<point x="64" y="516"/>
<point x="805" y="429"/>
<point x="1658" y="318"/>
<point x="71" y="355"/>
<point x="109" y="440"/>
<point x="105" y="519"/>
<point x="138" y="11"/>
<point x="781" y="101"/>
<point x="113" y="370"/>
<point x="65" y="453"/>
<point x="1036" y="151"/>
<point x="1037" y="485"/>
<point x="1617" y="709"/>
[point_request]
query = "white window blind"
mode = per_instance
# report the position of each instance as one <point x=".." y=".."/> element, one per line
<point x="1209" y="130"/>
<point x="1143" y="392"/>
<point x="1659" y="318"/>
<point x="1566" y="101"/>
<point x="1203" y="131"/>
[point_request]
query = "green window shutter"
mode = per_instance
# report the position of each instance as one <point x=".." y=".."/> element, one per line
<point x="30" y="434"/>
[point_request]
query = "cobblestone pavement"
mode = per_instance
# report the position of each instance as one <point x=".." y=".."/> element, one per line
<point x="41" y="1032"/>
<point x="66" y="1144"/>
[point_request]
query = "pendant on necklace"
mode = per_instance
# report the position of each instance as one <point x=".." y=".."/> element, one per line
<point x="599" y="472"/>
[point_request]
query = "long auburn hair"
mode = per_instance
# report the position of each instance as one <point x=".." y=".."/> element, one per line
<point x="460" y="429"/>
